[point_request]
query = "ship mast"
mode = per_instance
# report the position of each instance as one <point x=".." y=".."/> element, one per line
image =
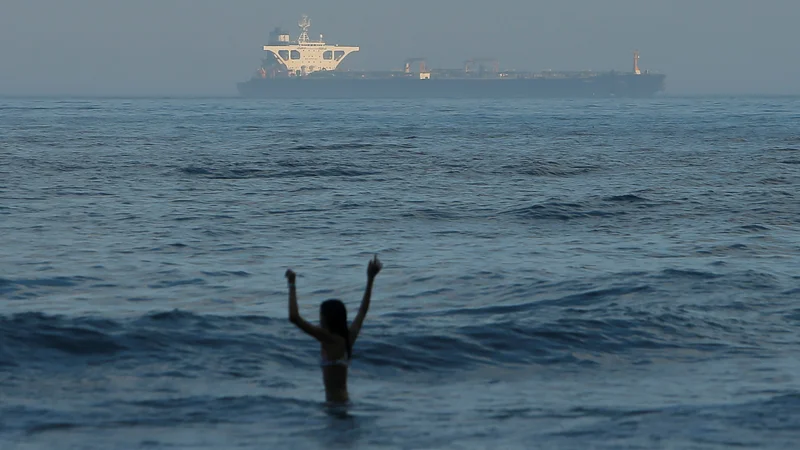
<point x="304" y="24"/>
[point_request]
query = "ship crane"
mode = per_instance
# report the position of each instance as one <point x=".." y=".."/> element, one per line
<point x="469" y="64"/>
<point x="410" y="61"/>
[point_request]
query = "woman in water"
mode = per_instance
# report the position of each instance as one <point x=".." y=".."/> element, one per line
<point x="335" y="337"/>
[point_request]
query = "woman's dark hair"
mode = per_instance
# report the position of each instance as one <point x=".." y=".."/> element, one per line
<point x="335" y="314"/>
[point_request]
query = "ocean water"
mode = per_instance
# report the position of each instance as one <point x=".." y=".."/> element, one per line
<point x="576" y="274"/>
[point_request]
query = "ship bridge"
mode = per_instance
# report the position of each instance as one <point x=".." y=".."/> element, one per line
<point x="306" y="56"/>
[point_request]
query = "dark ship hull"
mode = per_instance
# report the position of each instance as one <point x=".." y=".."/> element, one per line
<point x="335" y="85"/>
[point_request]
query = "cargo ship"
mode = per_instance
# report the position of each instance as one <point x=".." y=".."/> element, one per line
<point x="308" y="68"/>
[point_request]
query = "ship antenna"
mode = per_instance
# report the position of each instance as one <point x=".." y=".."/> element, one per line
<point x="304" y="24"/>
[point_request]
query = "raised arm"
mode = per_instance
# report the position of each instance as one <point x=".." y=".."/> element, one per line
<point x="318" y="333"/>
<point x="373" y="269"/>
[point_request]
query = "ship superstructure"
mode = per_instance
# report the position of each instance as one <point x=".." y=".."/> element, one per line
<point x="302" y="57"/>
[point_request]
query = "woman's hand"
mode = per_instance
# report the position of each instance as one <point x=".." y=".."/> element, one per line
<point x="290" y="276"/>
<point x="374" y="268"/>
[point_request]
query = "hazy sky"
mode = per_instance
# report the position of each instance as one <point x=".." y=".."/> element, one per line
<point x="187" y="47"/>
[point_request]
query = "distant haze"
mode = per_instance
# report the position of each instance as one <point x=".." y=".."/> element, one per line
<point x="203" y="47"/>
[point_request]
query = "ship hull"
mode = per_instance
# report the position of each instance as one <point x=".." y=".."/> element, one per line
<point x="609" y="85"/>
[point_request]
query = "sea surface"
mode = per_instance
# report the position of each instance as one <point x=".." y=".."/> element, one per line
<point x="567" y="274"/>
